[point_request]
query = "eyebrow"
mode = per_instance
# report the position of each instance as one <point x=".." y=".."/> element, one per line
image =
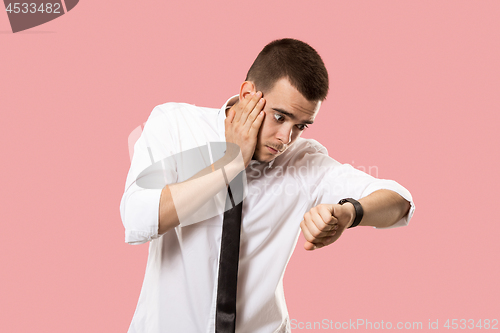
<point x="291" y="115"/>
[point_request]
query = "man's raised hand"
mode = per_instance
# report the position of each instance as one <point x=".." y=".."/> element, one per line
<point x="324" y="224"/>
<point x="243" y="122"/>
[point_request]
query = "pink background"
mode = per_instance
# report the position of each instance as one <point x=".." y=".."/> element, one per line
<point x="415" y="94"/>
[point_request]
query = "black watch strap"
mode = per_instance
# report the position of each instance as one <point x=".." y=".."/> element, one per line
<point x="357" y="208"/>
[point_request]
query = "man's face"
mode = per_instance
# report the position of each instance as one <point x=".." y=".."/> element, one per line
<point x="287" y="114"/>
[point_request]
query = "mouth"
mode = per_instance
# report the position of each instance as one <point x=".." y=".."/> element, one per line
<point x="272" y="150"/>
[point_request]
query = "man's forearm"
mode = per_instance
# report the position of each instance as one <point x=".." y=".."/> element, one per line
<point x="179" y="200"/>
<point x="383" y="208"/>
<point x="325" y="223"/>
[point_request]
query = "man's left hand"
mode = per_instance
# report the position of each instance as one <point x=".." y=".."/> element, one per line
<point x="324" y="224"/>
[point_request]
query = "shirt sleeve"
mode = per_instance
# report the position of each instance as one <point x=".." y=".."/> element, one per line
<point x="336" y="181"/>
<point x="139" y="206"/>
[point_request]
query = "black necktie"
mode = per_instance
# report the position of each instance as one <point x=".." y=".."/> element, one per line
<point x="225" y="315"/>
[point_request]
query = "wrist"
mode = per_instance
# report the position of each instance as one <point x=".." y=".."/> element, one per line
<point x="231" y="163"/>
<point x="351" y="211"/>
<point x="230" y="155"/>
<point x="358" y="211"/>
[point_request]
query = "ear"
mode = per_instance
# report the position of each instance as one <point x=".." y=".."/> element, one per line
<point x="246" y="88"/>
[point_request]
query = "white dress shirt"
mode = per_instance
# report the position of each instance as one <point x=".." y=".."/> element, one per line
<point x="180" y="283"/>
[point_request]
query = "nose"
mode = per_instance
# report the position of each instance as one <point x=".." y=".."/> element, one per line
<point x="285" y="134"/>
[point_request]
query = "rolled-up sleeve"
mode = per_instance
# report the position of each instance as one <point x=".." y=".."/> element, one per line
<point x="139" y="207"/>
<point x="139" y="212"/>
<point x="336" y="181"/>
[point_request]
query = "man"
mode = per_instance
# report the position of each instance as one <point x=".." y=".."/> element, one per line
<point x="290" y="182"/>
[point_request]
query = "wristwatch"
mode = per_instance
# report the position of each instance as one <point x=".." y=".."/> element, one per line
<point x="357" y="208"/>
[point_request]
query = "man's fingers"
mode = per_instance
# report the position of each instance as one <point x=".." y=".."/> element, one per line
<point x="317" y="225"/>
<point x="242" y="104"/>
<point x="311" y="233"/>
<point x="329" y="240"/>
<point x="230" y="116"/>
<point x="252" y="111"/>
<point x="313" y="246"/>
<point x="320" y="228"/>
<point x="307" y="233"/>
<point x="309" y="246"/>
<point x="254" y="114"/>
<point x="327" y="216"/>
<point x="324" y="219"/>
<point x="249" y="103"/>
<point x="255" y="126"/>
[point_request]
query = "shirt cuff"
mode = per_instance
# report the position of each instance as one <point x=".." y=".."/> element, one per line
<point x="140" y="215"/>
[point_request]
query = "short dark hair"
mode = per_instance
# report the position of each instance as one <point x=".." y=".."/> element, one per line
<point x="292" y="59"/>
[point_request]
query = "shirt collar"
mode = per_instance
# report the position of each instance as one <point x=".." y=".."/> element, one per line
<point x="221" y="117"/>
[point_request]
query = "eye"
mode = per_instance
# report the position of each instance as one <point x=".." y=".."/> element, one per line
<point x="279" y="118"/>
<point x="302" y="127"/>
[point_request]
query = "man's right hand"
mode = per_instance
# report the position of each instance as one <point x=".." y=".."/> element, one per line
<point x="243" y="122"/>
